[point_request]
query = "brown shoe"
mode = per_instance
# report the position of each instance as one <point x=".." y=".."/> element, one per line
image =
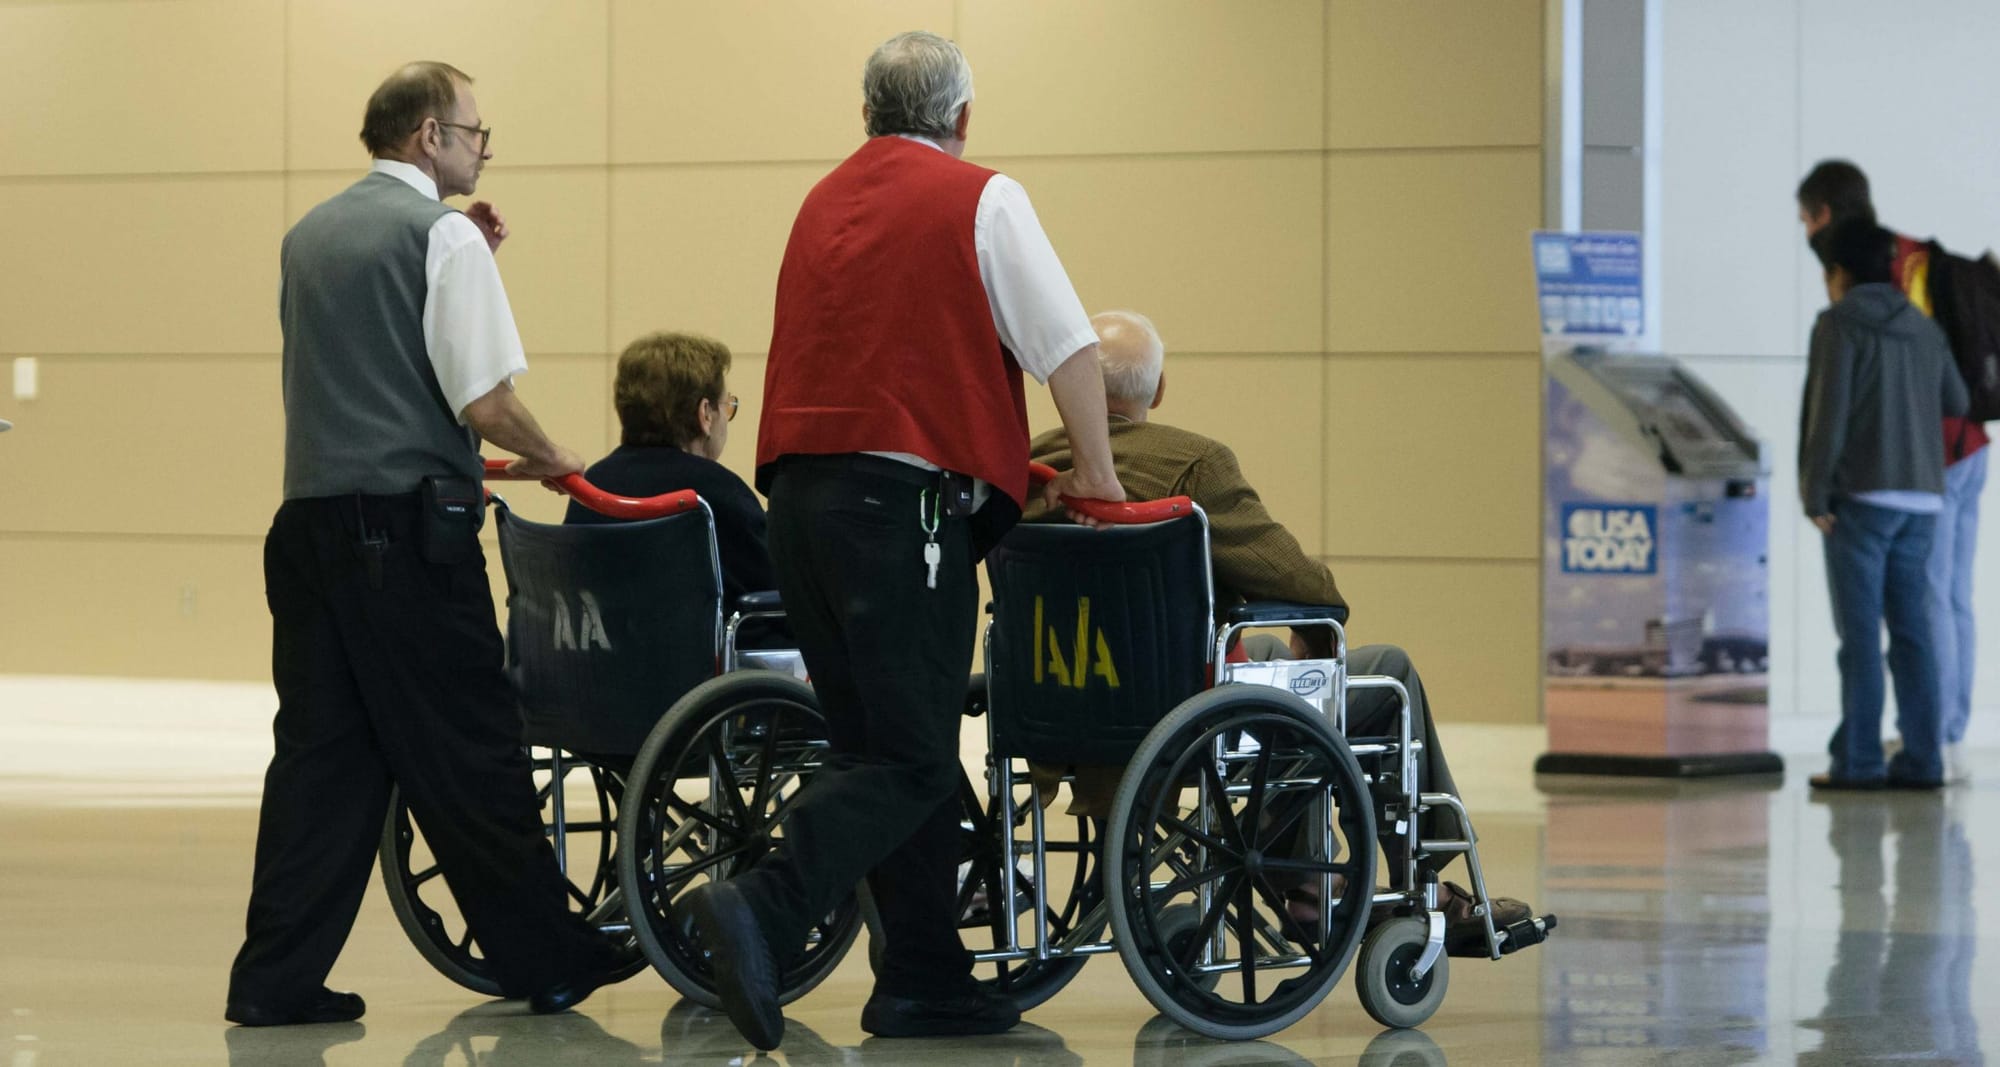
<point x="1464" y="933"/>
<point x="1302" y="903"/>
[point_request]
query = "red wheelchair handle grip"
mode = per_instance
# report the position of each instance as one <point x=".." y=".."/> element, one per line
<point x="1118" y="513"/>
<point x="578" y="488"/>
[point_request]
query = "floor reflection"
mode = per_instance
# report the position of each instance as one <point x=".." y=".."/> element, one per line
<point x="1692" y="932"/>
<point x="300" y="1046"/>
<point x="1663" y="890"/>
<point x="1900" y="988"/>
<point x="1719" y="923"/>
<point x="502" y="1035"/>
<point x="1165" y="1043"/>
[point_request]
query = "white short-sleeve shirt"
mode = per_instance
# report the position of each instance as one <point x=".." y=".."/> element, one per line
<point x="468" y="324"/>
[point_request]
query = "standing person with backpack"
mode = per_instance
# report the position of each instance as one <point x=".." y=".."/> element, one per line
<point x="1871" y="478"/>
<point x="1963" y="296"/>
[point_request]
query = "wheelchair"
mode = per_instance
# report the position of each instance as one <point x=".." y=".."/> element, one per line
<point x="664" y="752"/>
<point x="1240" y="794"/>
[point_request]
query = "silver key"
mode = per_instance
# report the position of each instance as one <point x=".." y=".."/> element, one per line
<point x="932" y="554"/>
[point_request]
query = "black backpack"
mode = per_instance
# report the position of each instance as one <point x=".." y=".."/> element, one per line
<point x="1965" y="301"/>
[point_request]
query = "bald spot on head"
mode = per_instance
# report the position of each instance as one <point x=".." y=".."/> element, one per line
<point x="1130" y="353"/>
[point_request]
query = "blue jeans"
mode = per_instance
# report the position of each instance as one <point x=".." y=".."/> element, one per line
<point x="1951" y="589"/>
<point x="1875" y="560"/>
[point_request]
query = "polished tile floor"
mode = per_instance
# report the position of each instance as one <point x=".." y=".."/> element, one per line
<point x="1714" y="923"/>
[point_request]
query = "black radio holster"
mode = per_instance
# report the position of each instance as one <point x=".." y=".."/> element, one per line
<point x="448" y="523"/>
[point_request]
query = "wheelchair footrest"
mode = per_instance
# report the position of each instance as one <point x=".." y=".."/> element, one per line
<point x="1524" y="934"/>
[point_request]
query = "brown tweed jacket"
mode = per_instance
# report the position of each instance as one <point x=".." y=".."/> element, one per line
<point x="1255" y="558"/>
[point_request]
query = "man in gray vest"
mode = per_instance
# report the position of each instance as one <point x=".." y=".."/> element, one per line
<point x="400" y="351"/>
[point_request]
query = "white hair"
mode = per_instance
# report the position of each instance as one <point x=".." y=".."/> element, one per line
<point x="916" y="82"/>
<point x="1132" y="379"/>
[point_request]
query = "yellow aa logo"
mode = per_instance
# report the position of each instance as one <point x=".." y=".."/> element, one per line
<point x="1090" y="655"/>
<point x="579" y="637"/>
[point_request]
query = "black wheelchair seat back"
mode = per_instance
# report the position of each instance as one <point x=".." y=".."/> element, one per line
<point x="1097" y="635"/>
<point x="608" y="625"/>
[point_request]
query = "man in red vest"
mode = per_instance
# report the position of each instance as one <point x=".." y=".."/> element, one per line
<point x="914" y="292"/>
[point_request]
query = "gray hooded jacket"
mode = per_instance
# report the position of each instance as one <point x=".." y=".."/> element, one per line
<point x="1878" y="383"/>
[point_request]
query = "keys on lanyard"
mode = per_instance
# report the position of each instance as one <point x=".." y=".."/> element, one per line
<point x="927" y="520"/>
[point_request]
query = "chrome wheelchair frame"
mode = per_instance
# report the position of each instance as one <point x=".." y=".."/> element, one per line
<point x="1402" y="973"/>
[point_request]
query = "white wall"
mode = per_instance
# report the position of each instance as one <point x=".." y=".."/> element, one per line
<point x="1753" y="95"/>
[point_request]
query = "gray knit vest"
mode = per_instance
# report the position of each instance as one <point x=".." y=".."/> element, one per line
<point x="363" y="410"/>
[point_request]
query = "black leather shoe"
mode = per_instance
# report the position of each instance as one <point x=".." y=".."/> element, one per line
<point x="566" y="995"/>
<point x="964" y="1015"/>
<point x="746" y="979"/>
<point x="1852" y="785"/>
<point x="325" y="1006"/>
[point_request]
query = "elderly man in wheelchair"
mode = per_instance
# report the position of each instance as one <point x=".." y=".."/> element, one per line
<point x="1237" y="870"/>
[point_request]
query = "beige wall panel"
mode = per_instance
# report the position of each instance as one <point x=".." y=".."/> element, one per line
<point x="700" y="81"/>
<point x="1267" y="409"/>
<point x="165" y="265"/>
<point x="698" y="248"/>
<point x="553" y="264"/>
<point x="1060" y="78"/>
<point x="173" y="445"/>
<point x="1433" y="73"/>
<point x="1433" y="456"/>
<point x="151" y="608"/>
<point x="1427" y="251"/>
<point x="119" y="88"/>
<point x="1473" y="630"/>
<point x="1223" y="253"/>
<point x="566" y="394"/>
<point x="538" y="68"/>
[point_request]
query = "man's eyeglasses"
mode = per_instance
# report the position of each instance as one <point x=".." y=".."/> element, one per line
<point x="730" y="405"/>
<point x="485" y="132"/>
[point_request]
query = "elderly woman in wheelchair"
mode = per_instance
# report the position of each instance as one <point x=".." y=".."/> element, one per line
<point x="668" y="719"/>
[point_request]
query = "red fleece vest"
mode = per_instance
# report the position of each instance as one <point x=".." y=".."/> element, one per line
<point x="883" y="339"/>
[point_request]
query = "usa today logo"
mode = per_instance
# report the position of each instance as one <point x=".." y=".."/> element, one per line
<point x="1609" y="538"/>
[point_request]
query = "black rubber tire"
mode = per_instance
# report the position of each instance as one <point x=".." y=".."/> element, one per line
<point x="1179" y="751"/>
<point x="1381" y="975"/>
<point x="686" y="741"/>
<point x="452" y="951"/>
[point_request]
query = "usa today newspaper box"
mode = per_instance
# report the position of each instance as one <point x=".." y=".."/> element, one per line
<point x="1656" y="583"/>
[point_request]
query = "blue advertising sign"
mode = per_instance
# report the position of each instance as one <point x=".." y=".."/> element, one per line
<point x="1589" y="284"/>
<point x="1610" y="538"/>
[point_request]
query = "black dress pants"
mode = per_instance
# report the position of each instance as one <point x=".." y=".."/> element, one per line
<point x="389" y="669"/>
<point x="889" y="657"/>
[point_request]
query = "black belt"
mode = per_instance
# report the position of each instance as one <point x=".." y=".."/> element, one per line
<point x="372" y="509"/>
<point x="874" y="467"/>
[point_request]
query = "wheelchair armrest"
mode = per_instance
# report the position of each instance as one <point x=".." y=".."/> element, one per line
<point x="768" y="600"/>
<point x="1278" y="612"/>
